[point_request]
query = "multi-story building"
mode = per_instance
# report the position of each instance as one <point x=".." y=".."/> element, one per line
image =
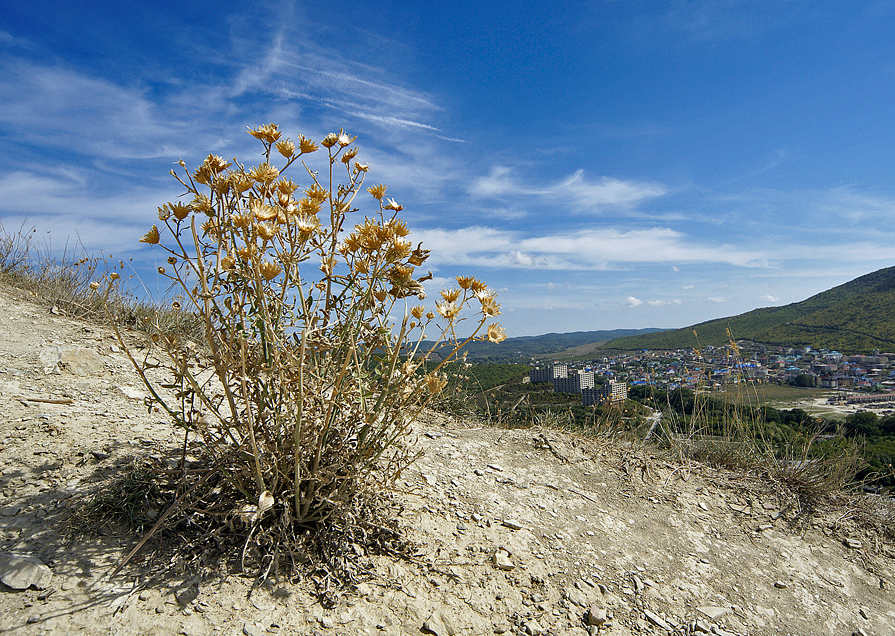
<point x="575" y="382"/>
<point x="610" y="392"/>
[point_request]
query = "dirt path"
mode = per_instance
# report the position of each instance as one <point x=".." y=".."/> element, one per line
<point x="520" y="531"/>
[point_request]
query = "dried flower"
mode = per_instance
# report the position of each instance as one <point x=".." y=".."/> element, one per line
<point x="269" y="133"/>
<point x="267" y="230"/>
<point x="489" y="306"/>
<point x="361" y="167"/>
<point x="286" y="147"/>
<point x="450" y="295"/>
<point x="448" y="310"/>
<point x="349" y="155"/>
<point x="496" y="333"/>
<point x="344" y="139"/>
<point x="227" y="263"/>
<point x="202" y="203"/>
<point x="262" y="211"/>
<point x="392" y="205"/>
<point x="306" y="145"/>
<point x="378" y="191"/>
<point x="180" y="210"/>
<point x="264" y="173"/>
<point x="94" y="285"/>
<point x="330" y="140"/>
<point x="417" y="311"/>
<point x="270" y="270"/>
<point x="151" y="237"/>
<point x="418" y="256"/>
<point x="161" y="270"/>
<point x="435" y="383"/>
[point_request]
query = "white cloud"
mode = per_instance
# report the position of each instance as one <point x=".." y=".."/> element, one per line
<point x="717" y="299"/>
<point x="631" y="301"/>
<point x="769" y="298"/>
<point x="575" y="189"/>
<point x="588" y="250"/>
<point x="686" y="286"/>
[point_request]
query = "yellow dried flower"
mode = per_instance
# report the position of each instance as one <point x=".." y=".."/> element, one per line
<point x="465" y="282"/>
<point x="245" y="253"/>
<point x="378" y="191"/>
<point x="361" y="167"/>
<point x="417" y="311"/>
<point x="349" y="155"/>
<point x="180" y="210"/>
<point x="94" y="285"/>
<point x="450" y="295"/>
<point x="151" y="237"/>
<point x="496" y="333"/>
<point x="307" y="224"/>
<point x="489" y="306"/>
<point x="306" y="145"/>
<point x="216" y="164"/>
<point x="286" y="147"/>
<point x="268" y="133"/>
<point x="227" y="263"/>
<point x="398" y="250"/>
<point x="435" y="383"/>
<point x="316" y="193"/>
<point x="330" y="140"/>
<point x="264" y="173"/>
<point x="240" y="182"/>
<point x="360" y="267"/>
<point x="241" y="221"/>
<point x="203" y="204"/>
<point x="262" y="211"/>
<point x="429" y="315"/>
<point x="392" y="205"/>
<point x="267" y="230"/>
<point x="448" y="310"/>
<point x="269" y="270"/>
<point x="309" y="207"/>
<point x="286" y="186"/>
<point x="478" y="287"/>
<point x="397" y="227"/>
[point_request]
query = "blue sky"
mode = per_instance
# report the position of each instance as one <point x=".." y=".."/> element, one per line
<point x="603" y="164"/>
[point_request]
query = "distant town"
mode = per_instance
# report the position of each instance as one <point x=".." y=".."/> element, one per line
<point x="854" y="379"/>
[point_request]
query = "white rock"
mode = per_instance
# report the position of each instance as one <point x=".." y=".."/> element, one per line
<point x="21" y="572"/>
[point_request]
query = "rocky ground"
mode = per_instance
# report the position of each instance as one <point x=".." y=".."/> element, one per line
<point x="518" y="531"/>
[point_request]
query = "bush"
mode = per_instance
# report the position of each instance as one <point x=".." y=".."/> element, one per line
<point x="311" y="368"/>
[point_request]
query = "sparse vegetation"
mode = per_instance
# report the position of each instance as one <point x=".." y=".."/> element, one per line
<point x="310" y="367"/>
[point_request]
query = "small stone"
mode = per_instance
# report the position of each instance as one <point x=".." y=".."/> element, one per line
<point x="46" y="594"/>
<point x="596" y="616"/>
<point x="144" y="595"/>
<point x="853" y="544"/>
<point x="713" y="612"/>
<point x="512" y="524"/>
<point x="859" y="632"/>
<point x="439" y="624"/>
<point x="250" y="629"/>
<point x="34" y="618"/>
<point x="701" y="626"/>
<point x="326" y="622"/>
<point x="495" y="467"/>
<point x="364" y="589"/>
<point x="656" y="620"/>
<point x="864" y="614"/>
<point x="780" y="585"/>
<point x="502" y="561"/>
<point x="99" y="456"/>
<point x="187" y="595"/>
<point x="638" y="584"/>
<point x="21" y="572"/>
<point x="10" y="511"/>
<point x="764" y="526"/>
<point x="532" y="628"/>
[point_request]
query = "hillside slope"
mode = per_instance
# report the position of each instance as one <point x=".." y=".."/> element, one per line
<point x="519" y="531"/>
<point x="855" y="317"/>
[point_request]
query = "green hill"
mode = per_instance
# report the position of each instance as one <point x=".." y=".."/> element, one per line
<point x="855" y="317"/>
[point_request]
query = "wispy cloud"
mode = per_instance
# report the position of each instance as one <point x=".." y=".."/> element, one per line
<point x="631" y="301"/>
<point x="576" y="189"/>
<point x="589" y="249"/>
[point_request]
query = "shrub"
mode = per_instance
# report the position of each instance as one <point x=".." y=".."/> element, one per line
<point x="312" y="366"/>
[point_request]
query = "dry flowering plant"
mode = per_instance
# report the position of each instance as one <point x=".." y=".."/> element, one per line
<point x="313" y="364"/>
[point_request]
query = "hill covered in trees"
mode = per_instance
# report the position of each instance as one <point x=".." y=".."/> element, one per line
<point x="854" y="317"/>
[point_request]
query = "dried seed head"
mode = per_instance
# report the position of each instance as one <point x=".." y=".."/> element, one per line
<point x="151" y="237"/>
<point x="180" y="210"/>
<point x="262" y="211"/>
<point x="435" y="383"/>
<point x="496" y="333"/>
<point x="202" y="203"/>
<point x="417" y="311"/>
<point x="164" y="213"/>
<point x="418" y="256"/>
<point x="392" y="205"/>
<point x="330" y="140"/>
<point x="345" y="139"/>
<point x="268" y="133"/>
<point x="286" y="147"/>
<point x="306" y="145"/>
<point x="267" y="230"/>
<point x="349" y="155"/>
<point x="378" y="191"/>
<point x="264" y="173"/>
<point x="270" y="270"/>
<point x="450" y="295"/>
<point x="161" y="270"/>
<point x="489" y="306"/>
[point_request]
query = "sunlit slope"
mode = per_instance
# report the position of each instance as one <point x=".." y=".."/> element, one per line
<point x="858" y="316"/>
